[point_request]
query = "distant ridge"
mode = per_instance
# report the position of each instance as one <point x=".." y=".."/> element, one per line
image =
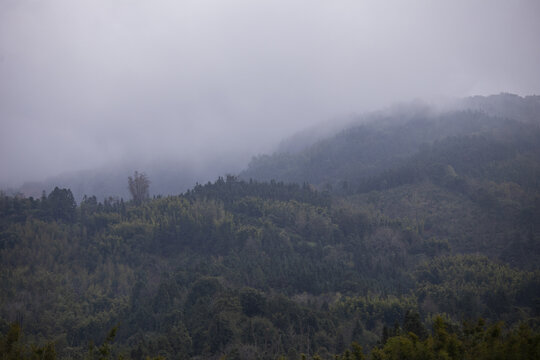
<point x="382" y="140"/>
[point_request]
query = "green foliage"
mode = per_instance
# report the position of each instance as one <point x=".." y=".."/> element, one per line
<point x="223" y="268"/>
<point x="12" y="347"/>
<point x="476" y="341"/>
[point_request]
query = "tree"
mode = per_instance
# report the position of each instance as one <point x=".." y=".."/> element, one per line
<point x="412" y="323"/>
<point x="252" y="301"/>
<point x="138" y="187"/>
<point x="61" y="204"/>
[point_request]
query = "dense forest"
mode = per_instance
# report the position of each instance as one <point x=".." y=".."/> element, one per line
<point x="415" y="237"/>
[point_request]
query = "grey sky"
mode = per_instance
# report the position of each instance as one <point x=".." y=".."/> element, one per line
<point x="86" y="83"/>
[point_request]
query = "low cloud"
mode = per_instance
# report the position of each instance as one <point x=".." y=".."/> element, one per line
<point x="88" y="83"/>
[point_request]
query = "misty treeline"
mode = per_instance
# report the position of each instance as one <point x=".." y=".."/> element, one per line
<point x="409" y="238"/>
<point x="387" y="153"/>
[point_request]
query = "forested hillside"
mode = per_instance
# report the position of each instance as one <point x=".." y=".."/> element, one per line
<point x="416" y="237"/>
<point x="466" y="176"/>
<point x="238" y="269"/>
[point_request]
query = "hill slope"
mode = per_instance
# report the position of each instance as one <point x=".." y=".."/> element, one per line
<point x="385" y="140"/>
<point x="465" y="176"/>
<point x="416" y="217"/>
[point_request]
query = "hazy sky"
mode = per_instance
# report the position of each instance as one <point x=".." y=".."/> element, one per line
<point x="84" y="83"/>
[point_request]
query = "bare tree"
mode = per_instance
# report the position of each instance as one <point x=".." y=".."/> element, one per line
<point x="138" y="187"/>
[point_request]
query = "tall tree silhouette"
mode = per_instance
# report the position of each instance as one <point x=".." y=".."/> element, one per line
<point x="138" y="187"/>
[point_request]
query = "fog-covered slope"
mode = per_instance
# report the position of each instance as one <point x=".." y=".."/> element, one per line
<point x="385" y="140"/>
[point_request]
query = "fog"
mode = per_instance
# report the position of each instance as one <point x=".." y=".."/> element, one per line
<point x="90" y="84"/>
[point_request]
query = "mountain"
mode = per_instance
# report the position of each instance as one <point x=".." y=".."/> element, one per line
<point x="384" y="140"/>
<point x="326" y="143"/>
<point x="411" y="233"/>
<point x="454" y="174"/>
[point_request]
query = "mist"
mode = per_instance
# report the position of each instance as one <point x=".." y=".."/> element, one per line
<point x="101" y="84"/>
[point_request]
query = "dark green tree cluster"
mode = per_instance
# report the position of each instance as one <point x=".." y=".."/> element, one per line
<point x="469" y="341"/>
